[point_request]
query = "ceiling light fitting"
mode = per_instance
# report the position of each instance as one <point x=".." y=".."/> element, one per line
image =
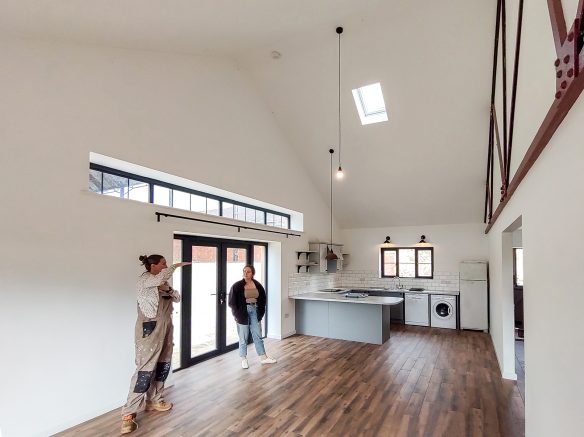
<point x="340" y="169"/>
<point x="330" y="255"/>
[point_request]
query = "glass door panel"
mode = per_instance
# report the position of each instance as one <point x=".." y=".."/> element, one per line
<point x="177" y="307"/>
<point x="204" y="274"/>
<point x="204" y="325"/>
<point x="259" y="262"/>
<point x="236" y="259"/>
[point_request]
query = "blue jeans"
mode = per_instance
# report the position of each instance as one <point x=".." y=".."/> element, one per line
<point x="256" y="333"/>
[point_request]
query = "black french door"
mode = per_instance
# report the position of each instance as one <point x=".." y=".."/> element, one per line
<point x="206" y="327"/>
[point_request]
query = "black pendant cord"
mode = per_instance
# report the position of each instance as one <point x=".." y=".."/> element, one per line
<point x="340" y="96"/>
<point x="339" y="31"/>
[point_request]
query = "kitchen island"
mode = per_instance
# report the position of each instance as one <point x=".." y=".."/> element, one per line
<point x="333" y="315"/>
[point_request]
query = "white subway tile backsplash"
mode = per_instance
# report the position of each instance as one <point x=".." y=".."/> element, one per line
<point x="299" y="283"/>
<point x="447" y="281"/>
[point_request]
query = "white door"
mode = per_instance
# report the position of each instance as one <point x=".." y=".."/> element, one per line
<point x="474" y="308"/>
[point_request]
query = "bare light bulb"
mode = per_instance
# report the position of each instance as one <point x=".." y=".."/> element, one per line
<point x="340" y="173"/>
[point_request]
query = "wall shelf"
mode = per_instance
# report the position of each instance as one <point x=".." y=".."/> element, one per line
<point x="316" y="257"/>
<point x="304" y="260"/>
<point x="306" y="252"/>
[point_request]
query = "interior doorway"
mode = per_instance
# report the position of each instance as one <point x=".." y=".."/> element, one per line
<point x="204" y="326"/>
<point x="519" y="322"/>
<point x="512" y="282"/>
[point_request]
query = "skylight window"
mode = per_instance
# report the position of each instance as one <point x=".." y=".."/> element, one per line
<point x="370" y="104"/>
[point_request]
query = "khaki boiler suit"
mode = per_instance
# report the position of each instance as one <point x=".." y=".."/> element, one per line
<point x="153" y="357"/>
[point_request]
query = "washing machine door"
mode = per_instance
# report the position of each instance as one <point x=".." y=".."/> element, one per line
<point x="443" y="310"/>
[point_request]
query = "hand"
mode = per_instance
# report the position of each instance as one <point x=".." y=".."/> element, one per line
<point x="184" y="264"/>
<point x="164" y="287"/>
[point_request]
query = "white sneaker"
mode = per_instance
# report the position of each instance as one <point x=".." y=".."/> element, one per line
<point x="244" y="364"/>
<point x="268" y="360"/>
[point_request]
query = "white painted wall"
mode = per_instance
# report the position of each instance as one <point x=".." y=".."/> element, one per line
<point x="69" y="256"/>
<point x="451" y="243"/>
<point x="549" y="204"/>
<point x="517" y="238"/>
<point x="553" y="298"/>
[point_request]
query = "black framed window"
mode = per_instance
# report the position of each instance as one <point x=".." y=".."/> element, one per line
<point x="117" y="183"/>
<point x="407" y="262"/>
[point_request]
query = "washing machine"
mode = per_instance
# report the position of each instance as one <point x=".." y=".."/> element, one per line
<point x="443" y="311"/>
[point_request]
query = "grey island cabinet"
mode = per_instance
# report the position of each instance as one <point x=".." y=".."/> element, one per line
<point x="364" y="319"/>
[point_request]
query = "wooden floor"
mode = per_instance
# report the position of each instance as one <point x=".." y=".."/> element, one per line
<point x="520" y="367"/>
<point x="422" y="382"/>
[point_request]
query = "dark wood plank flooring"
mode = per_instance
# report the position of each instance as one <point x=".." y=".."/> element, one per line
<point x="422" y="382"/>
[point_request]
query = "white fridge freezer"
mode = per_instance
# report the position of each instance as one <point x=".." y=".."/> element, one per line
<point x="474" y="295"/>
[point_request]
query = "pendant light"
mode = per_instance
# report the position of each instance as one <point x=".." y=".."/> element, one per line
<point x="340" y="169"/>
<point x="330" y="255"/>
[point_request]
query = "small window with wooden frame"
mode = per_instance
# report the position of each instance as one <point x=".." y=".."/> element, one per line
<point x="407" y="262"/>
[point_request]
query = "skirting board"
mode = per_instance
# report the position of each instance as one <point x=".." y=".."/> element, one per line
<point x="92" y="414"/>
<point x="283" y="336"/>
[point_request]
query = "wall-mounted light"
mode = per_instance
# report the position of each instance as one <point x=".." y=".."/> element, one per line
<point x="423" y="239"/>
<point x="387" y="241"/>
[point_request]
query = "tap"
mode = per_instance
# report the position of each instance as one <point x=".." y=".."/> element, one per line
<point x="398" y="286"/>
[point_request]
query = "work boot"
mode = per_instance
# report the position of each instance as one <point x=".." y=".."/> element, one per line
<point x="161" y="405"/>
<point x="128" y="424"/>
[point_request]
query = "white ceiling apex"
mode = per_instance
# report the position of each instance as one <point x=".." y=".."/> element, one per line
<point x="426" y="166"/>
<point x="204" y="27"/>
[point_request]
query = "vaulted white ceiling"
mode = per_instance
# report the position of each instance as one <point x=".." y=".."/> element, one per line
<point x="426" y="165"/>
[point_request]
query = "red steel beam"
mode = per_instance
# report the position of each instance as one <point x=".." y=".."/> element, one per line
<point x="569" y="85"/>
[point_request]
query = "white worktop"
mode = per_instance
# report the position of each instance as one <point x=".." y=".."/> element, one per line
<point x="340" y="297"/>
<point x="402" y="290"/>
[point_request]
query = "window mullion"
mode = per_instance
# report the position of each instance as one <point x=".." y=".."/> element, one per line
<point x="416" y="260"/>
<point x="396" y="263"/>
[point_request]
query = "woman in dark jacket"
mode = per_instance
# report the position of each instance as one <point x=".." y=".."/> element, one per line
<point x="247" y="300"/>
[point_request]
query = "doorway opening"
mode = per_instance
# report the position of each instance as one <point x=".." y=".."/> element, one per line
<point x="518" y="311"/>
<point x="204" y="326"/>
<point x="513" y="289"/>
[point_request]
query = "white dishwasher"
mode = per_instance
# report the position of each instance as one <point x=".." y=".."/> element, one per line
<point x="416" y="309"/>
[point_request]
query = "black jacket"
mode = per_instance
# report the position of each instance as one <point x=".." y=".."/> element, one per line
<point x="237" y="302"/>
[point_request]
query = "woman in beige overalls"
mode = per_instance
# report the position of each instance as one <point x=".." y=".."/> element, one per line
<point x="153" y="340"/>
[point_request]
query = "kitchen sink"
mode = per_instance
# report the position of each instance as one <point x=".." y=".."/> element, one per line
<point x="356" y="295"/>
<point x="333" y="290"/>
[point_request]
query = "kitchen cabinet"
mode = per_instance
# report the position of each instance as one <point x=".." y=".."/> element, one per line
<point x="397" y="311"/>
<point x="321" y="252"/>
<point x="334" y="316"/>
<point x="416" y="309"/>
